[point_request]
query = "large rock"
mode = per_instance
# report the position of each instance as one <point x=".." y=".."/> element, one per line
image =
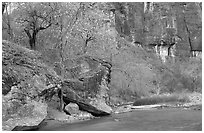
<point x="90" y="81"/>
<point x="17" y="114"/>
<point x="83" y="106"/>
<point x="100" y="101"/>
<point x="20" y="110"/>
<point x="72" y="108"/>
<point x="101" y="105"/>
<point x="34" y="81"/>
<point x="24" y="78"/>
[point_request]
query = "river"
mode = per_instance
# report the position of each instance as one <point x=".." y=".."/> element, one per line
<point x="138" y="120"/>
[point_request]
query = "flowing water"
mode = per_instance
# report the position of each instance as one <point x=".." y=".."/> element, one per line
<point x="139" y="120"/>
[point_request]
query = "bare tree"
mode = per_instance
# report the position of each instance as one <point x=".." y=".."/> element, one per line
<point x="3" y="6"/>
<point x="6" y="18"/>
<point x="65" y="26"/>
<point x="35" y="17"/>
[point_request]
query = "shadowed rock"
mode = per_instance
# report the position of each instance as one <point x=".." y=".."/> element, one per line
<point x="86" y="107"/>
<point x="29" y="128"/>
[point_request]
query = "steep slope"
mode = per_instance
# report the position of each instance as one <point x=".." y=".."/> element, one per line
<point x="29" y="86"/>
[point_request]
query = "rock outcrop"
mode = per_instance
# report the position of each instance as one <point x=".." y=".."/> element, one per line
<point x="29" y="85"/>
<point x="24" y="76"/>
<point x="91" y="84"/>
<point x="147" y="23"/>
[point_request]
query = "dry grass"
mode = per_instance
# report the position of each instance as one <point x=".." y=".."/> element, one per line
<point x="161" y="99"/>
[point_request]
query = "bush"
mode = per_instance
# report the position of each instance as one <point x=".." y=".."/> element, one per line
<point x="160" y="99"/>
<point x="182" y="75"/>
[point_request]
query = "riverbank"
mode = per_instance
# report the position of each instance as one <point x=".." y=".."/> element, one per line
<point x="168" y="119"/>
<point x="166" y="109"/>
<point x="56" y="119"/>
<point x="182" y="100"/>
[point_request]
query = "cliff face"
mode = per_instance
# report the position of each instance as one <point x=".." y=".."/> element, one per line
<point x="168" y="29"/>
<point x="150" y="22"/>
<point x="129" y="20"/>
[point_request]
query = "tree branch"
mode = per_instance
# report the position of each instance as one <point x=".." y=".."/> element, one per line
<point x="75" y="18"/>
<point x="43" y="28"/>
<point x="20" y="20"/>
<point x="28" y="33"/>
<point x="45" y="18"/>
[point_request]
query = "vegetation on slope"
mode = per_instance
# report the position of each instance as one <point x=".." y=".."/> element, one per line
<point x="96" y="53"/>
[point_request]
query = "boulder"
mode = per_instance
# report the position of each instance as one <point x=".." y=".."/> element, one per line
<point x="17" y="114"/>
<point x="101" y="105"/>
<point x="100" y="101"/>
<point x="89" y="85"/>
<point x="29" y="84"/>
<point x="73" y="108"/>
<point x="24" y="77"/>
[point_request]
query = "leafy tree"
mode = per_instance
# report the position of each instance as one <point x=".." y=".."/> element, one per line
<point x="7" y="21"/>
<point x="35" y="17"/>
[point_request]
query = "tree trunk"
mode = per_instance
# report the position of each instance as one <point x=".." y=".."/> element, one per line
<point x="32" y="43"/>
<point x="61" y="104"/>
<point x="169" y="51"/>
<point x="86" y="45"/>
<point x="3" y="7"/>
<point x="32" y="38"/>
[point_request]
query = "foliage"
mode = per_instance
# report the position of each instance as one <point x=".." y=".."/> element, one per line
<point x="25" y="68"/>
<point x="34" y="17"/>
<point x="186" y="76"/>
<point x="160" y="99"/>
<point x="64" y="32"/>
<point x="133" y="74"/>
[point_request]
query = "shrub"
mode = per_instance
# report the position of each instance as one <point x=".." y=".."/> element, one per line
<point x="159" y="99"/>
<point x="182" y="76"/>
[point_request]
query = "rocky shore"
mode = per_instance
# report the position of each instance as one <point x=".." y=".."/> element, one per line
<point x="195" y="103"/>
